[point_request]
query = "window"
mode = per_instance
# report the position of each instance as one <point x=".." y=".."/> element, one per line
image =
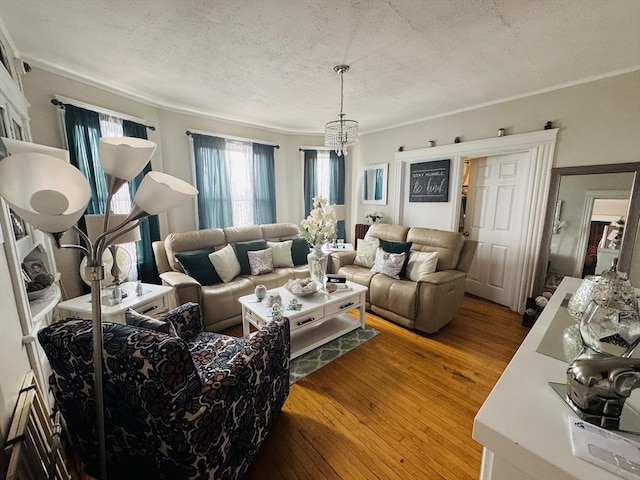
<point x="121" y="201"/>
<point x="235" y="180"/>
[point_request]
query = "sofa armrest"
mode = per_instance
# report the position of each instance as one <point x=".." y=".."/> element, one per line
<point x="340" y="259"/>
<point x="442" y="277"/>
<point x="187" y="289"/>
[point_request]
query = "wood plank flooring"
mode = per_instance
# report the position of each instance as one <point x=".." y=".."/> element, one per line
<point x="401" y="406"/>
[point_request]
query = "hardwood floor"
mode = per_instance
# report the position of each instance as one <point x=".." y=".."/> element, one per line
<point x="401" y="406"/>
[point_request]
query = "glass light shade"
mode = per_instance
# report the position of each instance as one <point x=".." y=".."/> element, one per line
<point x="159" y="192"/>
<point x="340" y="134"/>
<point x="95" y="227"/>
<point x="18" y="146"/>
<point x="125" y="157"/>
<point x="45" y="191"/>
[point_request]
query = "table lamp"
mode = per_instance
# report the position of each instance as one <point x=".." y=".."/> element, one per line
<point x="340" y="212"/>
<point x="52" y="195"/>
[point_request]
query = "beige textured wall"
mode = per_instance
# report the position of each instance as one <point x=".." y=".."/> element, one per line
<point x="599" y="124"/>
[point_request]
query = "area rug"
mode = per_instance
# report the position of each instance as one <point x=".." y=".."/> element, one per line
<point x="318" y="358"/>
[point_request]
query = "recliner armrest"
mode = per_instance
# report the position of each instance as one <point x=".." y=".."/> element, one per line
<point x="340" y="259"/>
<point x="187" y="289"/>
<point x="442" y="277"/>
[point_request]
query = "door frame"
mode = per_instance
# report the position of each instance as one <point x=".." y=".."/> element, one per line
<point x="539" y="148"/>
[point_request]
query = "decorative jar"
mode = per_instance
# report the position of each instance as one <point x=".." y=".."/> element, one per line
<point x="317" y="261"/>
<point x="610" y="327"/>
<point x="260" y="292"/>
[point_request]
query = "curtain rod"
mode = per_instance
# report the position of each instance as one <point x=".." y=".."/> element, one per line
<point x="60" y="104"/>
<point x="189" y="133"/>
<point x="304" y="149"/>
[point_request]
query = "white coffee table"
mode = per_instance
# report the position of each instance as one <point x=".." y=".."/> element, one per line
<point x="322" y="318"/>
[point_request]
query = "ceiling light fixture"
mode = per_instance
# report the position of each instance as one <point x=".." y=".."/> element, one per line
<point x="340" y="134"/>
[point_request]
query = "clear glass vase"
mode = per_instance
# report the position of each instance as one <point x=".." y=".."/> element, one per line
<point x="317" y="261"/>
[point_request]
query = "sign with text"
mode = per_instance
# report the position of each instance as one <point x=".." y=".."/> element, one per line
<point x="429" y="181"/>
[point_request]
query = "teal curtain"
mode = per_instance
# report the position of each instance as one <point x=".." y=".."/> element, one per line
<point x="83" y="136"/>
<point x="378" y="188"/>
<point x="150" y="227"/>
<point x="310" y="184"/>
<point x="336" y="186"/>
<point x="212" y="182"/>
<point x="264" y="184"/>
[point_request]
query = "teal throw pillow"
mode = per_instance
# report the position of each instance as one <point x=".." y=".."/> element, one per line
<point x="197" y="265"/>
<point x="241" y="252"/>
<point x="397" y="247"/>
<point x="299" y="250"/>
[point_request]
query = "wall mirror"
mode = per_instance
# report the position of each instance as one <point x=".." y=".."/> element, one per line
<point x="374" y="184"/>
<point x="569" y="238"/>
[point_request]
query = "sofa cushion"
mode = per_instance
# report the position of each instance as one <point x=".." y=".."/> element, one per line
<point x="190" y="241"/>
<point x="395" y="233"/>
<point x="260" y="261"/>
<point x="421" y="264"/>
<point x="397" y="247"/>
<point x="299" y="250"/>
<point x="196" y="264"/>
<point x="398" y="296"/>
<point x="241" y="251"/>
<point x="447" y="244"/>
<point x="281" y="252"/>
<point x="143" y="321"/>
<point x="272" y="232"/>
<point x="226" y="263"/>
<point x="366" y="252"/>
<point x="389" y="264"/>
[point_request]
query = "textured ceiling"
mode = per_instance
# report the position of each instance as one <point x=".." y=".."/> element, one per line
<point x="270" y="62"/>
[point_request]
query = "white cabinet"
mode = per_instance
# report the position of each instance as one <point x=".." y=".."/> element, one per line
<point x="21" y="241"/>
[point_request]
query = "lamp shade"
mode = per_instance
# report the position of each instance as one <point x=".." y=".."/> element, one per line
<point x="160" y="192"/>
<point x="340" y="212"/>
<point x="18" y="146"/>
<point x="125" y="157"/>
<point x="95" y="227"/>
<point x="45" y="191"/>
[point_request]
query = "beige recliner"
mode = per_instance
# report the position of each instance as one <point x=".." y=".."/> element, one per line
<point x="426" y="305"/>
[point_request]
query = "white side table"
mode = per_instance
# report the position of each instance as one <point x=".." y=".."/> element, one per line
<point x="155" y="299"/>
<point x="339" y="247"/>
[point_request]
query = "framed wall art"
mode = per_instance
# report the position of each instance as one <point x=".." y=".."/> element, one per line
<point x="429" y="181"/>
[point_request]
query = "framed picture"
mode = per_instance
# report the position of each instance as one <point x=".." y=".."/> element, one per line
<point x="34" y="268"/>
<point x="429" y="181"/>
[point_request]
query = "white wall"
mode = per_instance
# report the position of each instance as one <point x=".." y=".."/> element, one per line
<point x="599" y="124"/>
<point x="598" y="121"/>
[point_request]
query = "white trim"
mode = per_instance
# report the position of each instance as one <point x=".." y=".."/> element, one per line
<point x="192" y="155"/>
<point x="231" y="137"/>
<point x="95" y="108"/>
<point x="540" y="146"/>
<point x="585" y="223"/>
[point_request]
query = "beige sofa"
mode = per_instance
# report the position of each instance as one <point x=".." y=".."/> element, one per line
<point x="219" y="302"/>
<point x="425" y="305"/>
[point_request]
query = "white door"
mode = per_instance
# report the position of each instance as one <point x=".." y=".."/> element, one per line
<point x="495" y="206"/>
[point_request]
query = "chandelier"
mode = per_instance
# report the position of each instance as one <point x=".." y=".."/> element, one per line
<point x="340" y="134"/>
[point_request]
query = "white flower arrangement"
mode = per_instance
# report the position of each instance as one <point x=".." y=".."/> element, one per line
<point x="320" y="226"/>
<point x="374" y="217"/>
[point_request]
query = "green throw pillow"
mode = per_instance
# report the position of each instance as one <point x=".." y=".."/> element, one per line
<point x="196" y="264"/>
<point x="397" y="247"/>
<point x="241" y="252"/>
<point x="299" y="250"/>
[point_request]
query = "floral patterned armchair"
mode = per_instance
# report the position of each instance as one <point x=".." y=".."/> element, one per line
<point x="196" y="406"/>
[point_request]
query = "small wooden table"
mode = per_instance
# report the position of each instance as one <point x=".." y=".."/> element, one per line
<point x="155" y="299"/>
<point x="322" y="318"/>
